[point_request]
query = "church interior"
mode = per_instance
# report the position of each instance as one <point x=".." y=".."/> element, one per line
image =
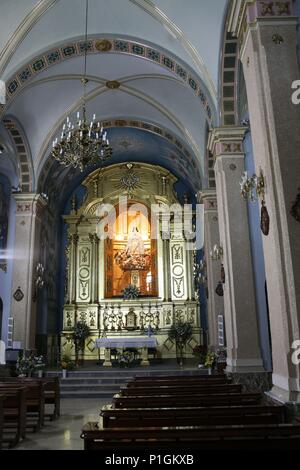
<point x="149" y="225"/>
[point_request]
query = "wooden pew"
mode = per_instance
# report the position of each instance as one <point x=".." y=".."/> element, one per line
<point x="198" y="399"/>
<point x="35" y="401"/>
<point x="191" y="416"/>
<point x="180" y="389"/>
<point x="254" y="437"/>
<point x="2" y="398"/>
<point x="14" y="415"/>
<point x="171" y="380"/>
<point x="51" y="390"/>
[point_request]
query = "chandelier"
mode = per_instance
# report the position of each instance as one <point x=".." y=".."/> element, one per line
<point x="84" y="143"/>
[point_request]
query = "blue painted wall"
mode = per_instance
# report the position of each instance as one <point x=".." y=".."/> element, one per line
<point x="258" y="263"/>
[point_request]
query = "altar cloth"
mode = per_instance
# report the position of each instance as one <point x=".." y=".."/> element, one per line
<point x="111" y="343"/>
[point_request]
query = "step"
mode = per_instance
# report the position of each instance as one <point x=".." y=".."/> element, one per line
<point x="89" y="394"/>
<point x="96" y="380"/>
<point x="66" y="387"/>
<point x="126" y="374"/>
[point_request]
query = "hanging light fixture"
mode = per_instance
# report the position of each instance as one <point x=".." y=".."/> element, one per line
<point x="84" y="143"/>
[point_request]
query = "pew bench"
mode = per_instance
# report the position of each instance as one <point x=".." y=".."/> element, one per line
<point x="150" y="401"/>
<point x="191" y="416"/>
<point x="283" y="436"/>
<point x="170" y="380"/>
<point x="180" y="389"/>
<point x="51" y="392"/>
<point x="2" y="398"/>
<point x="14" y="415"/>
<point x="35" y="401"/>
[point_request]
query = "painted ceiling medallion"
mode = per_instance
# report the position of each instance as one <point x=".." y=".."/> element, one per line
<point x="113" y="84"/>
<point x="18" y="295"/>
<point x="103" y="45"/>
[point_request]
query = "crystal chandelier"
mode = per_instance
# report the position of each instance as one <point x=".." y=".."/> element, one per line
<point x="84" y="143"/>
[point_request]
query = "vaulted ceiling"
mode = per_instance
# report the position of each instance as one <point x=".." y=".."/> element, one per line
<point x="163" y="54"/>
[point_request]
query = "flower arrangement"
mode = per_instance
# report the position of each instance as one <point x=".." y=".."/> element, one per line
<point x="26" y="365"/>
<point x="201" y="352"/>
<point x="80" y="333"/>
<point x="125" y="358"/>
<point x="210" y="360"/>
<point x="67" y="363"/>
<point x="130" y="292"/>
<point x="181" y="332"/>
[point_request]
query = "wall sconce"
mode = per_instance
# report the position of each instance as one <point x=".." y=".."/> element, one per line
<point x="251" y="185"/>
<point x="200" y="277"/>
<point x="38" y="280"/>
<point x="216" y="253"/>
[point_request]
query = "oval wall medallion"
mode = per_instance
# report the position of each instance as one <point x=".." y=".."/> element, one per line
<point x="178" y="270"/>
<point x="264" y="220"/>
<point x="84" y="273"/>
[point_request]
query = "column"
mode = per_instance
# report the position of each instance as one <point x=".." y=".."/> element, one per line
<point x="29" y="208"/>
<point x="243" y="349"/>
<point x="73" y="272"/>
<point x="96" y="291"/>
<point x="215" y="303"/>
<point x="93" y="267"/>
<point x="270" y="64"/>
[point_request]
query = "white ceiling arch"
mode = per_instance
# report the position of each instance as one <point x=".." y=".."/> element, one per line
<point x="153" y="54"/>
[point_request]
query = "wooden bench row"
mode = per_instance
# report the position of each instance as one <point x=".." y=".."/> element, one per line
<point x="24" y="406"/>
<point x="176" y="400"/>
<point x="281" y="436"/>
<point x="190" y="416"/>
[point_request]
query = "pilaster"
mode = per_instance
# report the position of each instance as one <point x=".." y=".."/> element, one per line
<point x="270" y="64"/>
<point x="29" y="209"/>
<point x="243" y="349"/>
<point x="215" y="303"/>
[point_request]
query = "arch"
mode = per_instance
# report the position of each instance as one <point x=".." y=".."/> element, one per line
<point x="112" y="45"/>
<point x="137" y="124"/>
<point x="26" y="174"/>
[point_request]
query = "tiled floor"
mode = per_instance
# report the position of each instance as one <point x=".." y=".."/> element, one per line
<point x="64" y="434"/>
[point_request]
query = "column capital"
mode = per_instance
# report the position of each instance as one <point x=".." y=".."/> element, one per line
<point x="29" y="203"/>
<point x="226" y="140"/>
<point x="244" y="13"/>
<point x="208" y="197"/>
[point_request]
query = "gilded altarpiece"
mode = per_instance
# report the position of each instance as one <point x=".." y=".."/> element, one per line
<point x="99" y="267"/>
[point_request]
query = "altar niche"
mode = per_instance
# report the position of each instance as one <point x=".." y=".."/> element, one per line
<point x="98" y="268"/>
<point x="131" y="256"/>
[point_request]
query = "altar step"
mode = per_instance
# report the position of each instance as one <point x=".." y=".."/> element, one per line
<point x="106" y="383"/>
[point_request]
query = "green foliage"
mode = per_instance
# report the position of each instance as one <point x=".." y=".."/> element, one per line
<point x="181" y="332"/>
<point x="67" y="363"/>
<point x="80" y="333"/>
<point x="210" y="360"/>
<point x="131" y="292"/>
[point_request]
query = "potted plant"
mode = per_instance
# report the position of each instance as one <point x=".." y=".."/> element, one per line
<point x="39" y="365"/>
<point x="210" y="361"/>
<point x="80" y="333"/>
<point x="66" y="364"/>
<point x="200" y="351"/>
<point x="25" y="366"/>
<point x="221" y="360"/>
<point x="181" y="332"/>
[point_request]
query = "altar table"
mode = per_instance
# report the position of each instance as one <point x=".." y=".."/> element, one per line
<point x="143" y="342"/>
